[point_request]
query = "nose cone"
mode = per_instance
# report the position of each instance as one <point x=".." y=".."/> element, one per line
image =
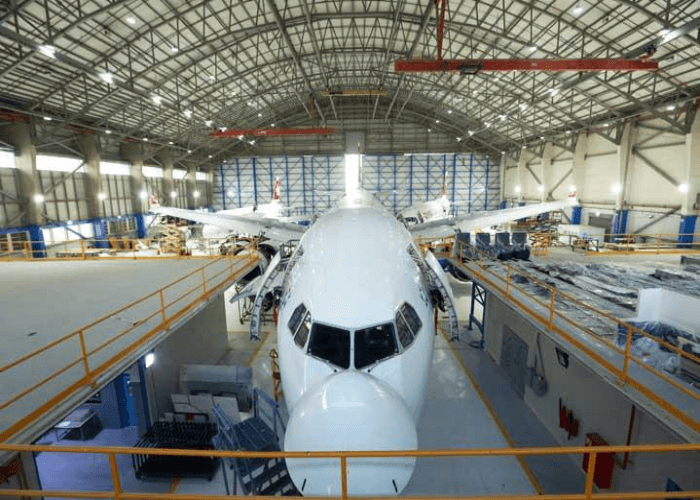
<point x="351" y="411"/>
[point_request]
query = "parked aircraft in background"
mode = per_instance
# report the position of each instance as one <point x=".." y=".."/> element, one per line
<point x="355" y="332"/>
<point x="427" y="211"/>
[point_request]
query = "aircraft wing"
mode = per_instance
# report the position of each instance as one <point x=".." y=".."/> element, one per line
<point x="472" y="222"/>
<point x="271" y="228"/>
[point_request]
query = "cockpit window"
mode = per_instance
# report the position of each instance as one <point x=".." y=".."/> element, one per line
<point x="331" y="344"/>
<point x="408" y="324"/>
<point x="299" y="325"/>
<point x="374" y="344"/>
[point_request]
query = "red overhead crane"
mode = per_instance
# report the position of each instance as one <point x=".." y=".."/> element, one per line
<point x="268" y="132"/>
<point x="473" y="66"/>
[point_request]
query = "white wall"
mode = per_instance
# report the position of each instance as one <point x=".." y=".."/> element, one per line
<point x="598" y="405"/>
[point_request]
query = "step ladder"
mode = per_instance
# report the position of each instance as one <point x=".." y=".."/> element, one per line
<point x="256" y="476"/>
<point x="435" y="283"/>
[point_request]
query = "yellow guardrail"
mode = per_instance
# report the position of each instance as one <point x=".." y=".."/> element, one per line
<point x="157" y="311"/>
<point x="662" y="243"/>
<point x="112" y="248"/>
<point x="506" y="286"/>
<point x="118" y="492"/>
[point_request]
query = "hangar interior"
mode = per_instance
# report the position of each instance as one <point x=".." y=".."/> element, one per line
<point x="577" y="327"/>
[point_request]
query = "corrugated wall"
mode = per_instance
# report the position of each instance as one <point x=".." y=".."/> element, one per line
<point x="310" y="184"/>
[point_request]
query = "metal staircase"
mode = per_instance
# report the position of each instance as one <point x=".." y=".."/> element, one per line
<point x="256" y="476"/>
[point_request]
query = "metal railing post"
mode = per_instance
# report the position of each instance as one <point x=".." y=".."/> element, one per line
<point x="552" y="295"/>
<point x="509" y="273"/>
<point x="626" y="362"/>
<point x="162" y="308"/>
<point x="82" y="249"/>
<point x="590" y="474"/>
<point x="344" y="476"/>
<point x="204" y="280"/>
<point x="115" y="476"/>
<point x="83" y="352"/>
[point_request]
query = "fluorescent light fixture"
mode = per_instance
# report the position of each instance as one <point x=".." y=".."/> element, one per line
<point x="145" y="139"/>
<point x="174" y="49"/>
<point x="606" y="124"/>
<point x="143" y="195"/>
<point x="173" y="194"/>
<point x="149" y="359"/>
<point x="683" y="188"/>
<point x="131" y="20"/>
<point x="39" y="198"/>
<point x="47" y="118"/>
<point x="671" y="108"/>
<point x="517" y="189"/>
<point x="107" y="77"/>
<point x="108" y="131"/>
<point x="616" y="188"/>
<point x="157" y="100"/>
<point x="171" y="142"/>
<point x="540" y="188"/>
<point x="437" y="121"/>
<point x="47" y="50"/>
<point x="196" y="194"/>
<point x="101" y="196"/>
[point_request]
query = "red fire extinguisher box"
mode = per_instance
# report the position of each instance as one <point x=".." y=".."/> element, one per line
<point x="604" y="462"/>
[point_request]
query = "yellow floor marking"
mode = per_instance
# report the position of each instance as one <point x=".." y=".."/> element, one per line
<point x="174" y="484"/>
<point x="257" y="349"/>
<point x="499" y="423"/>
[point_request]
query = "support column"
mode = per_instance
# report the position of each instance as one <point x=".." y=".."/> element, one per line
<point x="89" y="147"/>
<point x="191" y="186"/>
<point x="579" y="174"/>
<point x="167" y="160"/>
<point x="522" y="162"/>
<point x="502" y="184"/>
<point x="132" y="152"/>
<point x="547" y="172"/>
<point x="691" y="178"/>
<point x="19" y="136"/>
<point x="624" y="158"/>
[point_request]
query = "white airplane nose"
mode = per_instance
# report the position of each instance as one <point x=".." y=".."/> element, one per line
<point x="351" y="411"/>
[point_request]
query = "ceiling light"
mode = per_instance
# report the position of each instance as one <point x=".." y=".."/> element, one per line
<point x="606" y="124"/>
<point x="554" y="91"/>
<point x="578" y="9"/>
<point x="449" y="111"/>
<point x="101" y="196"/>
<point x="683" y="188"/>
<point x="664" y="32"/>
<point x="250" y="103"/>
<point x="143" y="195"/>
<point x="503" y="152"/>
<point x="196" y="194"/>
<point x="487" y="124"/>
<point x="517" y="189"/>
<point x="145" y="139"/>
<point x="189" y="151"/>
<point x="47" y="50"/>
<point x="272" y="125"/>
<point x="252" y="143"/>
<point x="259" y="115"/>
<point x="459" y="139"/>
<point x="48" y="118"/>
<point x="171" y="142"/>
<point x="188" y="113"/>
<point x="210" y="156"/>
<point x="471" y="132"/>
<point x="39" y="198"/>
<point x="107" y="77"/>
<point x="157" y="100"/>
<point x="240" y="137"/>
<point x="212" y="77"/>
<point x="524" y="147"/>
<point x="208" y="123"/>
<point x="223" y="129"/>
<point x="229" y="193"/>
<point x="173" y="194"/>
<point x="174" y="49"/>
<point x="532" y="49"/>
<point x="523" y="106"/>
<point x="429" y="130"/>
<point x="437" y="121"/>
<point x="616" y="188"/>
<point x="108" y="131"/>
<point x="671" y="108"/>
<point x="540" y="188"/>
<point x="131" y="20"/>
<point x="503" y="118"/>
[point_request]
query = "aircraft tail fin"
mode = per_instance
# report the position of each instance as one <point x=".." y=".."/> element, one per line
<point x="153" y="202"/>
<point x="276" y="190"/>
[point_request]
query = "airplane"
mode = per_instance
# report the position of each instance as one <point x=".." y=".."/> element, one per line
<point x="427" y="211"/>
<point x="355" y="333"/>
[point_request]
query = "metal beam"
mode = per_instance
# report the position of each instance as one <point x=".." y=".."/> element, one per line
<point x="658" y="219"/>
<point x="656" y="168"/>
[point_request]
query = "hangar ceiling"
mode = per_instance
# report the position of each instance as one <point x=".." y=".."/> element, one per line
<point x="173" y="71"/>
